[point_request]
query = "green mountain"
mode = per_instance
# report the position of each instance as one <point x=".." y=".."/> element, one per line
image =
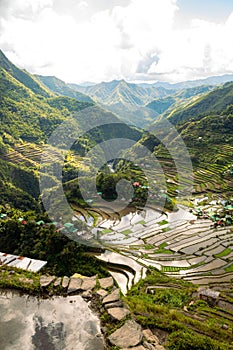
<point x="131" y="101"/>
<point x="60" y="87"/>
<point x="204" y="121"/>
<point x="166" y="105"/>
<point x="110" y="93"/>
<point x="141" y="104"/>
<point x="215" y="101"/>
<point x="127" y="100"/>
<point x="25" y="78"/>
<point x="206" y="126"/>
<point x="160" y="105"/>
<point x="29" y="114"/>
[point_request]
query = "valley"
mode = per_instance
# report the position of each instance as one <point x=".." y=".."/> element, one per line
<point x="122" y="179"/>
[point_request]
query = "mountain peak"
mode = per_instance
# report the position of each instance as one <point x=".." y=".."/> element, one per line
<point x="123" y="82"/>
<point x="113" y="83"/>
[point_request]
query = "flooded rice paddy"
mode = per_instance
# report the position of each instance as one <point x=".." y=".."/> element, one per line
<point x="50" y="324"/>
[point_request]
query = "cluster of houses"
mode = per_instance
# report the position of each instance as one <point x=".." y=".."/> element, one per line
<point x="220" y="212"/>
<point x="66" y="228"/>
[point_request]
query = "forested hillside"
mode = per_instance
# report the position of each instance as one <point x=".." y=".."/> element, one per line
<point x="23" y="77"/>
<point x="206" y="127"/>
<point x="30" y="112"/>
<point x="60" y="87"/>
<point x="215" y="102"/>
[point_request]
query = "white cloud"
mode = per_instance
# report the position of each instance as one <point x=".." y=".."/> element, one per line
<point x="82" y="4"/>
<point x="136" y="41"/>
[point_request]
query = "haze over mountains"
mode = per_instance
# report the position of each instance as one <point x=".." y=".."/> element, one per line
<point x="139" y="104"/>
<point x="142" y="103"/>
<point x="33" y="106"/>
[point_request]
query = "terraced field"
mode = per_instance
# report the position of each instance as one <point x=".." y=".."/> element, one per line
<point x="28" y="154"/>
<point x="178" y="244"/>
<point x="208" y="178"/>
<point x="211" y="178"/>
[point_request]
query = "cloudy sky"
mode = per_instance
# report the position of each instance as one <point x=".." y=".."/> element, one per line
<point x="101" y="40"/>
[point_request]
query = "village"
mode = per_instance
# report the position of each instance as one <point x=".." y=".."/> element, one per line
<point x="219" y="211"/>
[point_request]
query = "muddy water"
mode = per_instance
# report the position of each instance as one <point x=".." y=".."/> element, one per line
<point x="52" y="324"/>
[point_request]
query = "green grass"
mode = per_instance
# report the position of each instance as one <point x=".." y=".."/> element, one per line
<point x="223" y="253"/>
<point x="176" y="268"/>
<point x="165" y="229"/>
<point x="162" y="250"/>
<point x="163" y="309"/>
<point x="163" y="222"/>
<point x="229" y="268"/>
<point x="182" y="340"/>
<point x="107" y="230"/>
<point x="25" y="281"/>
<point x="126" y="232"/>
<point x="142" y="222"/>
<point x="149" y="246"/>
<point x="163" y="245"/>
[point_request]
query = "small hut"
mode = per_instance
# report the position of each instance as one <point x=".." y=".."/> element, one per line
<point x="209" y="295"/>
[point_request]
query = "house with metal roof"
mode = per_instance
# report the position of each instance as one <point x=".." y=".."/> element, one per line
<point x="209" y="295"/>
<point x="21" y="262"/>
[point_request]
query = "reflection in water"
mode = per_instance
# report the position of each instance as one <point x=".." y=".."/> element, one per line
<point x="49" y="337"/>
<point x="51" y="324"/>
<point x="146" y="215"/>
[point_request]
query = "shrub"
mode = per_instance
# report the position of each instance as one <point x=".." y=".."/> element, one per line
<point x="182" y="340"/>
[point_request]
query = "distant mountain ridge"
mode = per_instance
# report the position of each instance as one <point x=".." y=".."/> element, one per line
<point x="60" y="87"/>
<point x="141" y="104"/>
<point x="213" y="80"/>
<point x="165" y="106"/>
<point x="127" y="100"/>
<point x="116" y="91"/>
<point x="30" y="111"/>
<point x="211" y="103"/>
